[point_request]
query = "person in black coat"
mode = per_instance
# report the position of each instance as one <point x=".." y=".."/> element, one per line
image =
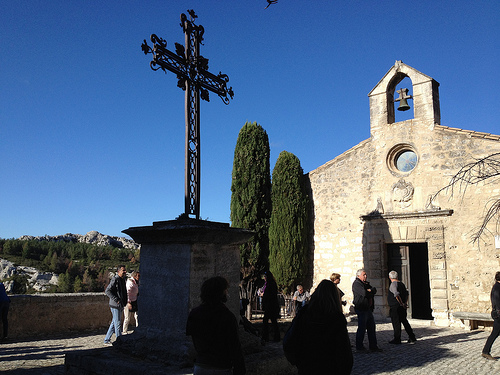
<point x="364" y="304"/>
<point x="271" y="307"/>
<point x="317" y="341"/>
<point x="495" y="304"/>
<point x="214" y="330"/>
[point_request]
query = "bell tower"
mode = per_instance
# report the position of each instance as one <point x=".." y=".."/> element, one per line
<point x="424" y="96"/>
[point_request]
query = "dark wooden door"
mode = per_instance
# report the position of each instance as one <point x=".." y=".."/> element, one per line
<point x="411" y="262"/>
<point x="421" y="288"/>
<point x="399" y="261"/>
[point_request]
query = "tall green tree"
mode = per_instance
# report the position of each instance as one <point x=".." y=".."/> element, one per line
<point x="65" y="283"/>
<point x="288" y="230"/>
<point x="251" y="196"/>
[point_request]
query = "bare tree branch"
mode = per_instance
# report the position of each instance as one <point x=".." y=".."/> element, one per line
<point x="492" y="213"/>
<point x="481" y="170"/>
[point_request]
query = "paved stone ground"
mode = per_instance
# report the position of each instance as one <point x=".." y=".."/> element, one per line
<point x="438" y="351"/>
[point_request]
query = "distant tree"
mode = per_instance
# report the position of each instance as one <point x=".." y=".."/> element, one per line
<point x="13" y="247"/>
<point x="87" y="281"/>
<point x="47" y="260"/>
<point x="78" y="285"/>
<point x="480" y="170"/>
<point x="137" y="255"/>
<point x="288" y="230"/>
<point x="64" y="284"/>
<point x="53" y="262"/>
<point x="20" y="284"/>
<point x="102" y="281"/>
<point x="251" y="195"/>
<point x="27" y="248"/>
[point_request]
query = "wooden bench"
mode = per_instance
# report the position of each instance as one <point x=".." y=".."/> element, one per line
<point x="471" y="319"/>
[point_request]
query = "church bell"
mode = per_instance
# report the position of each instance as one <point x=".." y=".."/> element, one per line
<point x="403" y="96"/>
<point x="403" y="105"/>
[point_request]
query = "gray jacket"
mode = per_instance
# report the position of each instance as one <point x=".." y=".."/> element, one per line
<point x="117" y="292"/>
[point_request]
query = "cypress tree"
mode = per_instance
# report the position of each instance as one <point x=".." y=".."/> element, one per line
<point x="251" y="196"/>
<point x="288" y="230"/>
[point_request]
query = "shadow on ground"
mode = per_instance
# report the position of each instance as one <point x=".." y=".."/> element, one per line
<point x="433" y="345"/>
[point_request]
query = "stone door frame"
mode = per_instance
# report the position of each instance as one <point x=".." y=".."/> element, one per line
<point x="428" y="227"/>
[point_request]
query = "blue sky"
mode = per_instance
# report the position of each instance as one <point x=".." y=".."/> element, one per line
<point x="92" y="139"/>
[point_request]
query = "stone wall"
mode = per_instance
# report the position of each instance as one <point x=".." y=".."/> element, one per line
<point x="362" y="203"/>
<point x="43" y="314"/>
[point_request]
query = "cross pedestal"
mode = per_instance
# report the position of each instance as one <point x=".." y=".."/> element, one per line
<point x="177" y="256"/>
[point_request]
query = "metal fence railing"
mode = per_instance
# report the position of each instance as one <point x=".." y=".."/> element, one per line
<point x="287" y="307"/>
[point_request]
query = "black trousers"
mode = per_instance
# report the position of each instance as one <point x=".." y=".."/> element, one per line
<point x="4" y="311"/>
<point x="494" y="334"/>
<point x="398" y="317"/>
<point x="265" y="326"/>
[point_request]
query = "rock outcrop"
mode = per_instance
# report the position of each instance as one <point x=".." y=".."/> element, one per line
<point x="39" y="281"/>
<point x="93" y="237"/>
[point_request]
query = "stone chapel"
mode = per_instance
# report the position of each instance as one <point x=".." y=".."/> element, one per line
<point x="372" y="207"/>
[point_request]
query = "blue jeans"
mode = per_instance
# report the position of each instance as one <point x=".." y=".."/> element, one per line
<point x="116" y="324"/>
<point x="366" y="322"/>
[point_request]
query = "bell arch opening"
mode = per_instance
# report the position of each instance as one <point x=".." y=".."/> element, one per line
<point x="397" y="97"/>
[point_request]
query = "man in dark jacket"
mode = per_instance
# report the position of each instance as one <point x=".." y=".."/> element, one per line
<point x="214" y="330"/>
<point x="495" y="304"/>
<point x="397" y="298"/>
<point x="363" y="305"/>
<point x="117" y="293"/>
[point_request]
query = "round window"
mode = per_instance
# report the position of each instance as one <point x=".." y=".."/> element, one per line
<point x="406" y="161"/>
<point x="402" y="159"/>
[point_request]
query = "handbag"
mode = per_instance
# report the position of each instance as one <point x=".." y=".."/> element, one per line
<point x="134" y="306"/>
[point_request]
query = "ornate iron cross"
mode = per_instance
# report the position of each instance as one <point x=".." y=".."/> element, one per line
<point x="194" y="78"/>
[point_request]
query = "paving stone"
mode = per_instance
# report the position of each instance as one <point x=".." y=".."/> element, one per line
<point x="437" y="351"/>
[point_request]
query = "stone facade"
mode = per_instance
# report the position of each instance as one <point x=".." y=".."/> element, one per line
<point x="371" y="209"/>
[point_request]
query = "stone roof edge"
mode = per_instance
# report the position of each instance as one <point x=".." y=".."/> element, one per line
<point x="471" y="133"/>
<point x="397" y="65"/>
<point x="342" y="155"/>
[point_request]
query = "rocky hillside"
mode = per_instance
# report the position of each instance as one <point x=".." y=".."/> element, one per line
<point x="92" y="237"/>
<point x="41" y="281"/>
